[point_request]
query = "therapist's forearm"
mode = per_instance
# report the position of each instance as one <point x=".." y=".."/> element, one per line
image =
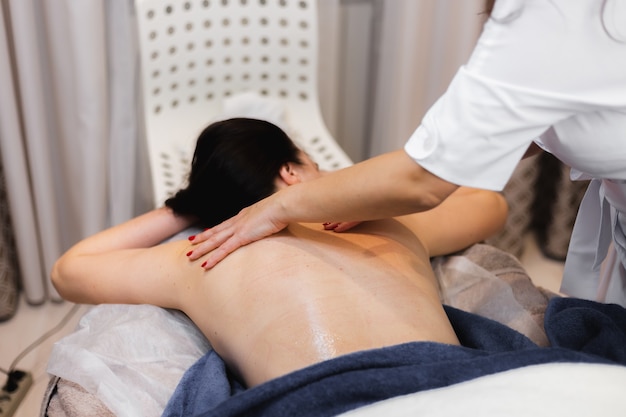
<point x="388" y="185"/>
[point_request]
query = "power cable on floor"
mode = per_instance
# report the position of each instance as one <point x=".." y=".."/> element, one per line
<point x="42" y="338"/>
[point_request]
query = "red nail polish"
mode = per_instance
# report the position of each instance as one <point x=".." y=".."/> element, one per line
<point x="189" y="253"/>
<point x="204" y="264"/>
<point x="191" y="238"/>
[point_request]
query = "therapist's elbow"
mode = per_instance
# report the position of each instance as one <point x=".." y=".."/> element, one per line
<point x="428" y="190"/>
<point x="408" y="187"/>
<point x="433" y="199"/>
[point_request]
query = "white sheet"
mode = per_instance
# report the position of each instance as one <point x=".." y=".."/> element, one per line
<point x="130" y="357"/>
<point x="551" y="390"/>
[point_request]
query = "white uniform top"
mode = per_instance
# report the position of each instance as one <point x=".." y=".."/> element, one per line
<point x="550" y="71"/>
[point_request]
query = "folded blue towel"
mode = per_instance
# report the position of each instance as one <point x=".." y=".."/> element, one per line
<point x="580" y="331"/>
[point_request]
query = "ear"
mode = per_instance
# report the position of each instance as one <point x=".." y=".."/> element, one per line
<point x="289" y="174"/>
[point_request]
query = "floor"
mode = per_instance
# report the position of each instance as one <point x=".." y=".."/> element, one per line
<point x="31" y="322"/>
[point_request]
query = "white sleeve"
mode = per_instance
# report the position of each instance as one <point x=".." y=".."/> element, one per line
<point x="536" y="64"/>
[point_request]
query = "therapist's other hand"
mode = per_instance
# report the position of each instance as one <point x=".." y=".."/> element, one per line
<point x="340" y="226"/>
<point x="251" y="224"/>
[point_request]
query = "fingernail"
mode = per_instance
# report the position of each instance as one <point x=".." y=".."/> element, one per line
<point x="204" y="264"/>
<point x="191" y="238"/>
<point x="189" y="253"/>
<point x="206" y="229"/>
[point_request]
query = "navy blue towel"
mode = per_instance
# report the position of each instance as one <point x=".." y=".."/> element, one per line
<point x="580" y="331"/>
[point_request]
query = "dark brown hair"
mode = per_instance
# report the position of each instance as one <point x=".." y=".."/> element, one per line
<point x="234" y="165"/>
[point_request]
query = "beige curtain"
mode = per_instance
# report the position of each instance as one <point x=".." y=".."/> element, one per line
<point x="384" y="62"/>
<point x="422" y="43"/>
<point x="69" y="128"/>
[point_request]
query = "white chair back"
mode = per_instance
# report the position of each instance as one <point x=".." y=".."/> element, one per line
<point x="195" y="54"/>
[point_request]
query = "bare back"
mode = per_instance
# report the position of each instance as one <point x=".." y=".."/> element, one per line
<point x="307" y="295"/>
<point x="293" y="299"/>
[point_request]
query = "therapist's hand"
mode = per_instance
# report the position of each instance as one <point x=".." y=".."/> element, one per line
<point x="251" y="224"/>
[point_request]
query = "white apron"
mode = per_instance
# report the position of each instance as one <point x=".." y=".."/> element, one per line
<point x="596" y="259"/>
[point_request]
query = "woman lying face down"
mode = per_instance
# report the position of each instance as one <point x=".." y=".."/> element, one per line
<point x="296" y="298"/>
